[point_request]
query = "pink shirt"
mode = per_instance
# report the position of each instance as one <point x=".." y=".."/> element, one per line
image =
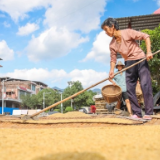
<point x="128" y="48"/>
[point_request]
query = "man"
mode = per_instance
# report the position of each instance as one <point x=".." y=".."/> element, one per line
<point x="124" y="42"/>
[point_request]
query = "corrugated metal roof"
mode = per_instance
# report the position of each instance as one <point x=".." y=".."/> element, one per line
<point x="140" y="22"/>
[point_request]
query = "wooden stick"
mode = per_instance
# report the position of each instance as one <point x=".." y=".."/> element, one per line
<point x="76" y="94"/>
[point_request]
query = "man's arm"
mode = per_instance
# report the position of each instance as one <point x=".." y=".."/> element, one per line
<point x="137" y="35"/>
<point x="112" y="66"/>
<point x="112" y="81"/>
<point x="148" y="46"/>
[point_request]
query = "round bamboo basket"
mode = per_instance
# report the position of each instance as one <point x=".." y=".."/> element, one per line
<point x="111" y="93"/>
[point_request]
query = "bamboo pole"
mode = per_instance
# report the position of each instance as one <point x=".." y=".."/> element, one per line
<point x="76" y="94"/>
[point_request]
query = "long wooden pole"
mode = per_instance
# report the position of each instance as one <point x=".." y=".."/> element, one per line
<point x="76" y="94"/>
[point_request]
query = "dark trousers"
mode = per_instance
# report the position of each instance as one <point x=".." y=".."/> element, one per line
<point x="142" y="72"/>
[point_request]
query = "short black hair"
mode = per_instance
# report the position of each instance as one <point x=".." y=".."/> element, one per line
<point x="110" y="22"/>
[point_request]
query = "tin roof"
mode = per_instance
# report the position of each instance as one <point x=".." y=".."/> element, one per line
<point x="139" y="22"/>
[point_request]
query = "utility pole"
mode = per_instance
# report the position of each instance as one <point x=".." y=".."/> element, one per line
<point x="61" y="103"/>
<point x="2" y="97"/>
<point x="70" y="83"/>
<point x="44" y="98"/>
<point x="3" y="94"/>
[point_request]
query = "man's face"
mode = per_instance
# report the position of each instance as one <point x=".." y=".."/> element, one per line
<point x="109" y="30"/>
<point x="119" y="67"/>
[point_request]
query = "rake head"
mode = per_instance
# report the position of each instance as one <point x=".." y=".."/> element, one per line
<point x="27" y="117"/>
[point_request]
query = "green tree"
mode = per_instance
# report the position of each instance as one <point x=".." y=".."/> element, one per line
<point x="154" y="64"/>
<point x="84" y="99"/>
<point x="89" y="100"/>
<point x="51" y="97"/>
<point x="29" y="101"/>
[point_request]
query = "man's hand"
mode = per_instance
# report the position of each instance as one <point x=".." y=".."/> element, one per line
<point x="111" y="74"/>
<point x="149" y="56"/>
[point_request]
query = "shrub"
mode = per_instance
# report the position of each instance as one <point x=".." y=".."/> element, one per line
<point x="68" y="109"/>
<point x="57" y="110"/>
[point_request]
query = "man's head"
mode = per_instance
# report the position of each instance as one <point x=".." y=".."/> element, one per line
<point x="109" y="26"/>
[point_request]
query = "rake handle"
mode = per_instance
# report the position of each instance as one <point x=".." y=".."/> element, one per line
<point x="76" y="94"/>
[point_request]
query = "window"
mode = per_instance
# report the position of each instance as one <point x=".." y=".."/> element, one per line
<point x="33" y="87"/>
<point x="9" y="93"/>
<point x="21" y="93"/>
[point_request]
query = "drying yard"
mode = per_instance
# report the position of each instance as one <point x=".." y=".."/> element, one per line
<point x="78" y="136"/>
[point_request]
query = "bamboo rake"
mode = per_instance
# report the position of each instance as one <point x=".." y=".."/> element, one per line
<point x="76" y="94"/>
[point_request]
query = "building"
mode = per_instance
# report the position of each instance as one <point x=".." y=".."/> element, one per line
<point x="15" y="88"/>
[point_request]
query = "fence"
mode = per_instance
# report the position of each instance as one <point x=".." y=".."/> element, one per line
<point x="7" y="109"/>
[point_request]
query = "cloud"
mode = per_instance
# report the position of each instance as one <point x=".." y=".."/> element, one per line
<point x="27" y="29"/>
<point x="86" y="77"/>
<point x="6" y="24"/>
<point x="64" y="23"/>
<point x="53" y="43"/>
<point x="158" y="2"/>
<point x="18" y="9"/>
<point x="5" y="52"/>
<point x="35" y="74"/>
<point x="75" y="15"/>
<point x="100" y="51"/>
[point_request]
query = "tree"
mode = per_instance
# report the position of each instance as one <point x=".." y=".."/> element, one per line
<point x="89" y="100"/>
<point x="51" y="97"/>
<point x="84" y="99"/>
<point x="154" y="64"/>
<point x="29" y="101"/>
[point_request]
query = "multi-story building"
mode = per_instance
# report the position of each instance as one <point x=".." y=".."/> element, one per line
<point x="14" y="88"/>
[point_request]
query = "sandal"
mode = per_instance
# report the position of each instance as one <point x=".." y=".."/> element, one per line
<point x="135" y="117"/>
<point x="147" y="117"/>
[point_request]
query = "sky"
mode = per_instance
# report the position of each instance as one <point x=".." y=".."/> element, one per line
<point x="56" y="41"/>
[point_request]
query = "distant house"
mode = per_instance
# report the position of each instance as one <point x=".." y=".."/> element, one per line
<point x="14" y="88"/>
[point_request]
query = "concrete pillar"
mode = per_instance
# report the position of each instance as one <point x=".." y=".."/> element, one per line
<point x="4" y="103"/>
<point x="13" y="105"/>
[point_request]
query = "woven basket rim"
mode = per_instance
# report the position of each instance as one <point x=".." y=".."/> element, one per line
<point x="111" y="95"/>
<point x="120" y="92"/>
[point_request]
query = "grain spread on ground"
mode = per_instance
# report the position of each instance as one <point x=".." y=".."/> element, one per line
<point x="38" y="141"/>
<point x="97" y="120"/>
<point x="99" y="143"/>
<point x="70" y="114"/>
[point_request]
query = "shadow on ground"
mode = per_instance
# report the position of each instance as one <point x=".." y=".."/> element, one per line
<point x="72" y="156"/>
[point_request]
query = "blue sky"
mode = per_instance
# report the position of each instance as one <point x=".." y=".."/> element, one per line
<point x="59" y="41"/>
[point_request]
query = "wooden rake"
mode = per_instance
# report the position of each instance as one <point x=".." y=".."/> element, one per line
<point x="34" y="116"/>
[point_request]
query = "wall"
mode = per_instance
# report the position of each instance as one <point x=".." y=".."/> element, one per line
<point x="7" y="109"/>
